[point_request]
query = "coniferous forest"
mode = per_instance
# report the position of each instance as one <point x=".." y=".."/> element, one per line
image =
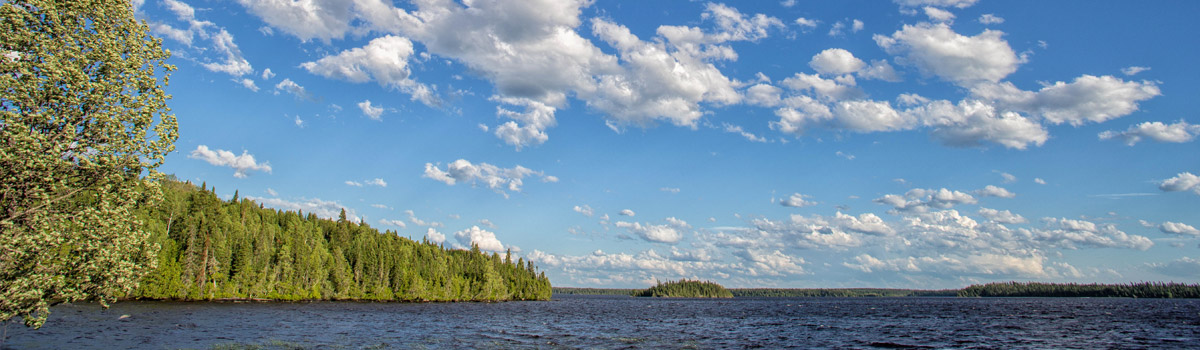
<point x="213" y="249"/>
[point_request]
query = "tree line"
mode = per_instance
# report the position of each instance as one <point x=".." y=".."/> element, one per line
<point x="210" y="248"/>
<point x="1039" y="289"/>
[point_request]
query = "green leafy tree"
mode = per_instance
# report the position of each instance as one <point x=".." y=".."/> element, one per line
<point x="83" y="126"/>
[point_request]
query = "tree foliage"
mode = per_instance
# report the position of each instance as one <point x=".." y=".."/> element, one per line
<point x="215" y="249"/>
<point x="1038" y="289"/>
<point x="83" y="126"/>
<point x="685" y="289"/>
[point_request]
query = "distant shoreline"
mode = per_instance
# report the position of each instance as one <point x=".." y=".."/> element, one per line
<point x="997" y="289"/>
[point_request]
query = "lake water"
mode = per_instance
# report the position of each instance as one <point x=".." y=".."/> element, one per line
<point x="623" y="322"/>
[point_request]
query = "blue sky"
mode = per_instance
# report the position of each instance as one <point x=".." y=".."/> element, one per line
<point x="910" y="144"/>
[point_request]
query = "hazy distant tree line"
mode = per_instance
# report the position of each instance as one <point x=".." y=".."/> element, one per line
<point x="1037" y="289"/>
<point x="215" y="249"/>
<point x="840" y="292"/>
<point x="685" y="289"/>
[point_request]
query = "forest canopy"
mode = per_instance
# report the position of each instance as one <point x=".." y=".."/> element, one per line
<point x="237" y="249"/>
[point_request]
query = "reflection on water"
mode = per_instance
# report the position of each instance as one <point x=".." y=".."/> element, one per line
<point x="571" y="321"/>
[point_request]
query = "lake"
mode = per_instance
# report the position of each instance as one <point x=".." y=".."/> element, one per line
<point x="573" y="321"/>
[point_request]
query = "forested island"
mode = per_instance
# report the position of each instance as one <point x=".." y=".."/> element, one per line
<point x="212" y="249"/>
<point x="685" y="289"/>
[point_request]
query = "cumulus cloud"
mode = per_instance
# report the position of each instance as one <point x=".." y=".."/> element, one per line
<point x="994" y="191"/>
<point x="434" y="236"/>
<point x="493" y="177"/>
<point x="306" y="19"/>
<point x="971" y="122"/>
<point x="1070" y="234"/>
<point x="397" y="223"/>
<point x="528" y="127"/>
<point x="585" y="210"/>
<point x="373" y="112"/>
<point x="289" y="86"/>
<point x="1182" y="267"/>
<point x="936" y="3"/>
<point x="796" y="200"/>
<point x="1039" y="181"/>
<point x="920" y="200"/>
<point x="241" y="164"/>
<point x="627" y="212"/>
<point x="668" y="233"/>
<point x="988" y="18"/>
<point x="249" y="84"/>
<point x="1179" y="132"/>
<point x="1132" y="70"/>
<point x="939" y="15"/>
<point x="1178" y="228"/>
<point x="735" y="129"/>
<point x="937" y="50"/>
<point x="320" y="208"/>
<point x="222" y="56"/>
<point x="1185" y="181"/>
<point x="384" y="59"/>
<point x="486" y="240"/>
<point x="836" y="62"/>
<point x="1002" y="216"/>
<point x="1086" y="99"/>
<point x="806" y="24"/>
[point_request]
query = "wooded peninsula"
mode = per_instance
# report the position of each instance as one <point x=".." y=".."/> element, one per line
<point x="212" y="249"/>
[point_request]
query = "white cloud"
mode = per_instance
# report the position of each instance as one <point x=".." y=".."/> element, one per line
<point x="495" y="178"/>
<point x="267" y="74"/>
<point x="233" y="64"/>
<point x="880" y="70"/>
<point x="384" y="59"/>
<point x="353" y="183"/>
<point x="1008" y="178"/>
<point x="1179" y="132"/>
<point x="1039" y="181"/>
<point x="856" y="25"/>
<point x="937" y="50"/>
<point x="397" y="223"/>
<point x="1086" y="99"/>
<point x="988" y="18"/>
<point x="627" y="212"/>
<point x="320" y="208"/>
<point x="734" y="129"/>
<point x="869" y="116"/>
<point x="971" y="122"/>
<point x="289" y="86"/>
<point x="1182" y="267"/>
<point x="241" y="164"/>
<point x="585" y="210"/>
<point x="306" y="19"/>
<point x="836" y="89"/>
<point x="835" y="62"/>
<point x="1132" y="70"/>
<point x="844" y="155"/>
<point x="668" y="233"/>
<point x="938" y="3"/>
<point x="533" y="122"/>
<point x="412" y="217"/>
<point x="1178" y="228"/>
<point x="486" y="240"/>
<point x="806" y="24"/>
<point x="1002" y="216"/>
<point x="994" y="191"/>
<point x="939" y="15"/>
<point x="376" y="182"/>
<point x="796" y="200"/>
<point x="249" y="84"/>
<point x="920" y="200"/>
<point x="373" y="112"/>
<point x="1185" y="181"/>
<point x="1069" y="234"/>
<point x="671" y="190"/>
<point x="765" y="95"/>
<point x="434" y="236"/>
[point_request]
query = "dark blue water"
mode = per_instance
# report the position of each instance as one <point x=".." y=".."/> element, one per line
<point x="625" y="322"/>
